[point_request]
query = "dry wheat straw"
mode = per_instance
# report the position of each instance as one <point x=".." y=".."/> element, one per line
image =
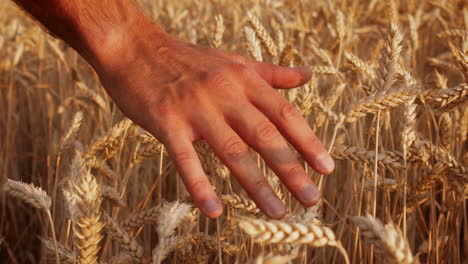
<point x="382" y="183"/>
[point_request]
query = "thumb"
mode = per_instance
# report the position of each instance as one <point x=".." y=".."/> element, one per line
<point x="282" y="77"/>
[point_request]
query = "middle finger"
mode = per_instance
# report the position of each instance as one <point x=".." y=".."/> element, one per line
<point x="262" y="135"/>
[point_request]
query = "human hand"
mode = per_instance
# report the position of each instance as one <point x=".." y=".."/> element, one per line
<point x="182" y="93"/>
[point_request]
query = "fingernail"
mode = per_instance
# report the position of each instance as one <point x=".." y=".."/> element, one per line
<point x="210" y="207"/>
<point x="309" y="194"/>
<point x="275" y="208"/>
<point x="326" y="164"/>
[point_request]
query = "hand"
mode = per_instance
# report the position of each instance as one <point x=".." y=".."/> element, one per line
<point x="181" y="93"/>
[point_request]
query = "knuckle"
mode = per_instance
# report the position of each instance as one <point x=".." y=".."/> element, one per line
<point x="235" y="149"/>
<point x="295" y="172"/>
<point x="183" y="157"/>
<point x="196" y="184"/>
<point x="314" y="141"/>
<point x="266" y="132"/>
<point x="238" y="68"/>
<point x="260" y="184"/>
<point x="289" y="111"/>
<point x="164" y="110"/>
<point x="218" y="79"/>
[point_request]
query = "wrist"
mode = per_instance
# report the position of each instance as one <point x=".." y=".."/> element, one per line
<point x="108" y="35"/>
<point x="121" y="44"/>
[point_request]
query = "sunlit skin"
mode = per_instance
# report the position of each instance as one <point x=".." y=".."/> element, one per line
<point x="182" y="93"/>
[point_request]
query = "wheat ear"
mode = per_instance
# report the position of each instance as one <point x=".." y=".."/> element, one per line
<point x="68" y="138"/>
<point x="138" y="220"/>
<point x="274" y="232"/>
<point x="253" y="45"/>
<point x="83" y="198"/>
<point x="382" y="100"/>
<point x="388" y="239"/>
<point x="106" y="146"/>
<point x="35" y="197"/>
<point x="384" y="159"/>
<point x="263" y="35"/>
<point x="447" y="99"/>
<point x="217" y="38"/>
<point x="241" y="203"/>
<point x="126" y="241"/>
<point x="112" y="195"/>
<point x="66" y="255"/>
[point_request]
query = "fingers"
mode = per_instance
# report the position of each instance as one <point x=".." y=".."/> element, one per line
<point x="282" y="77"/>
<point x="276" y="76"/>
<point x="234" y="153"/>
<point x="189" y="167"/>
<point x="294" y="127"/>
<point x="265" y="138"/>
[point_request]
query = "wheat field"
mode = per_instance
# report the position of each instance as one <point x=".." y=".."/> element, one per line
<point x="80" y="183"/>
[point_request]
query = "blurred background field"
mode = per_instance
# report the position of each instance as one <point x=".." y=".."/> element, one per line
<point x="390" y="77"/>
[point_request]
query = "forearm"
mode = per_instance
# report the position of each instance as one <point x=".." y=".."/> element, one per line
<point x="96" y="29"/>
